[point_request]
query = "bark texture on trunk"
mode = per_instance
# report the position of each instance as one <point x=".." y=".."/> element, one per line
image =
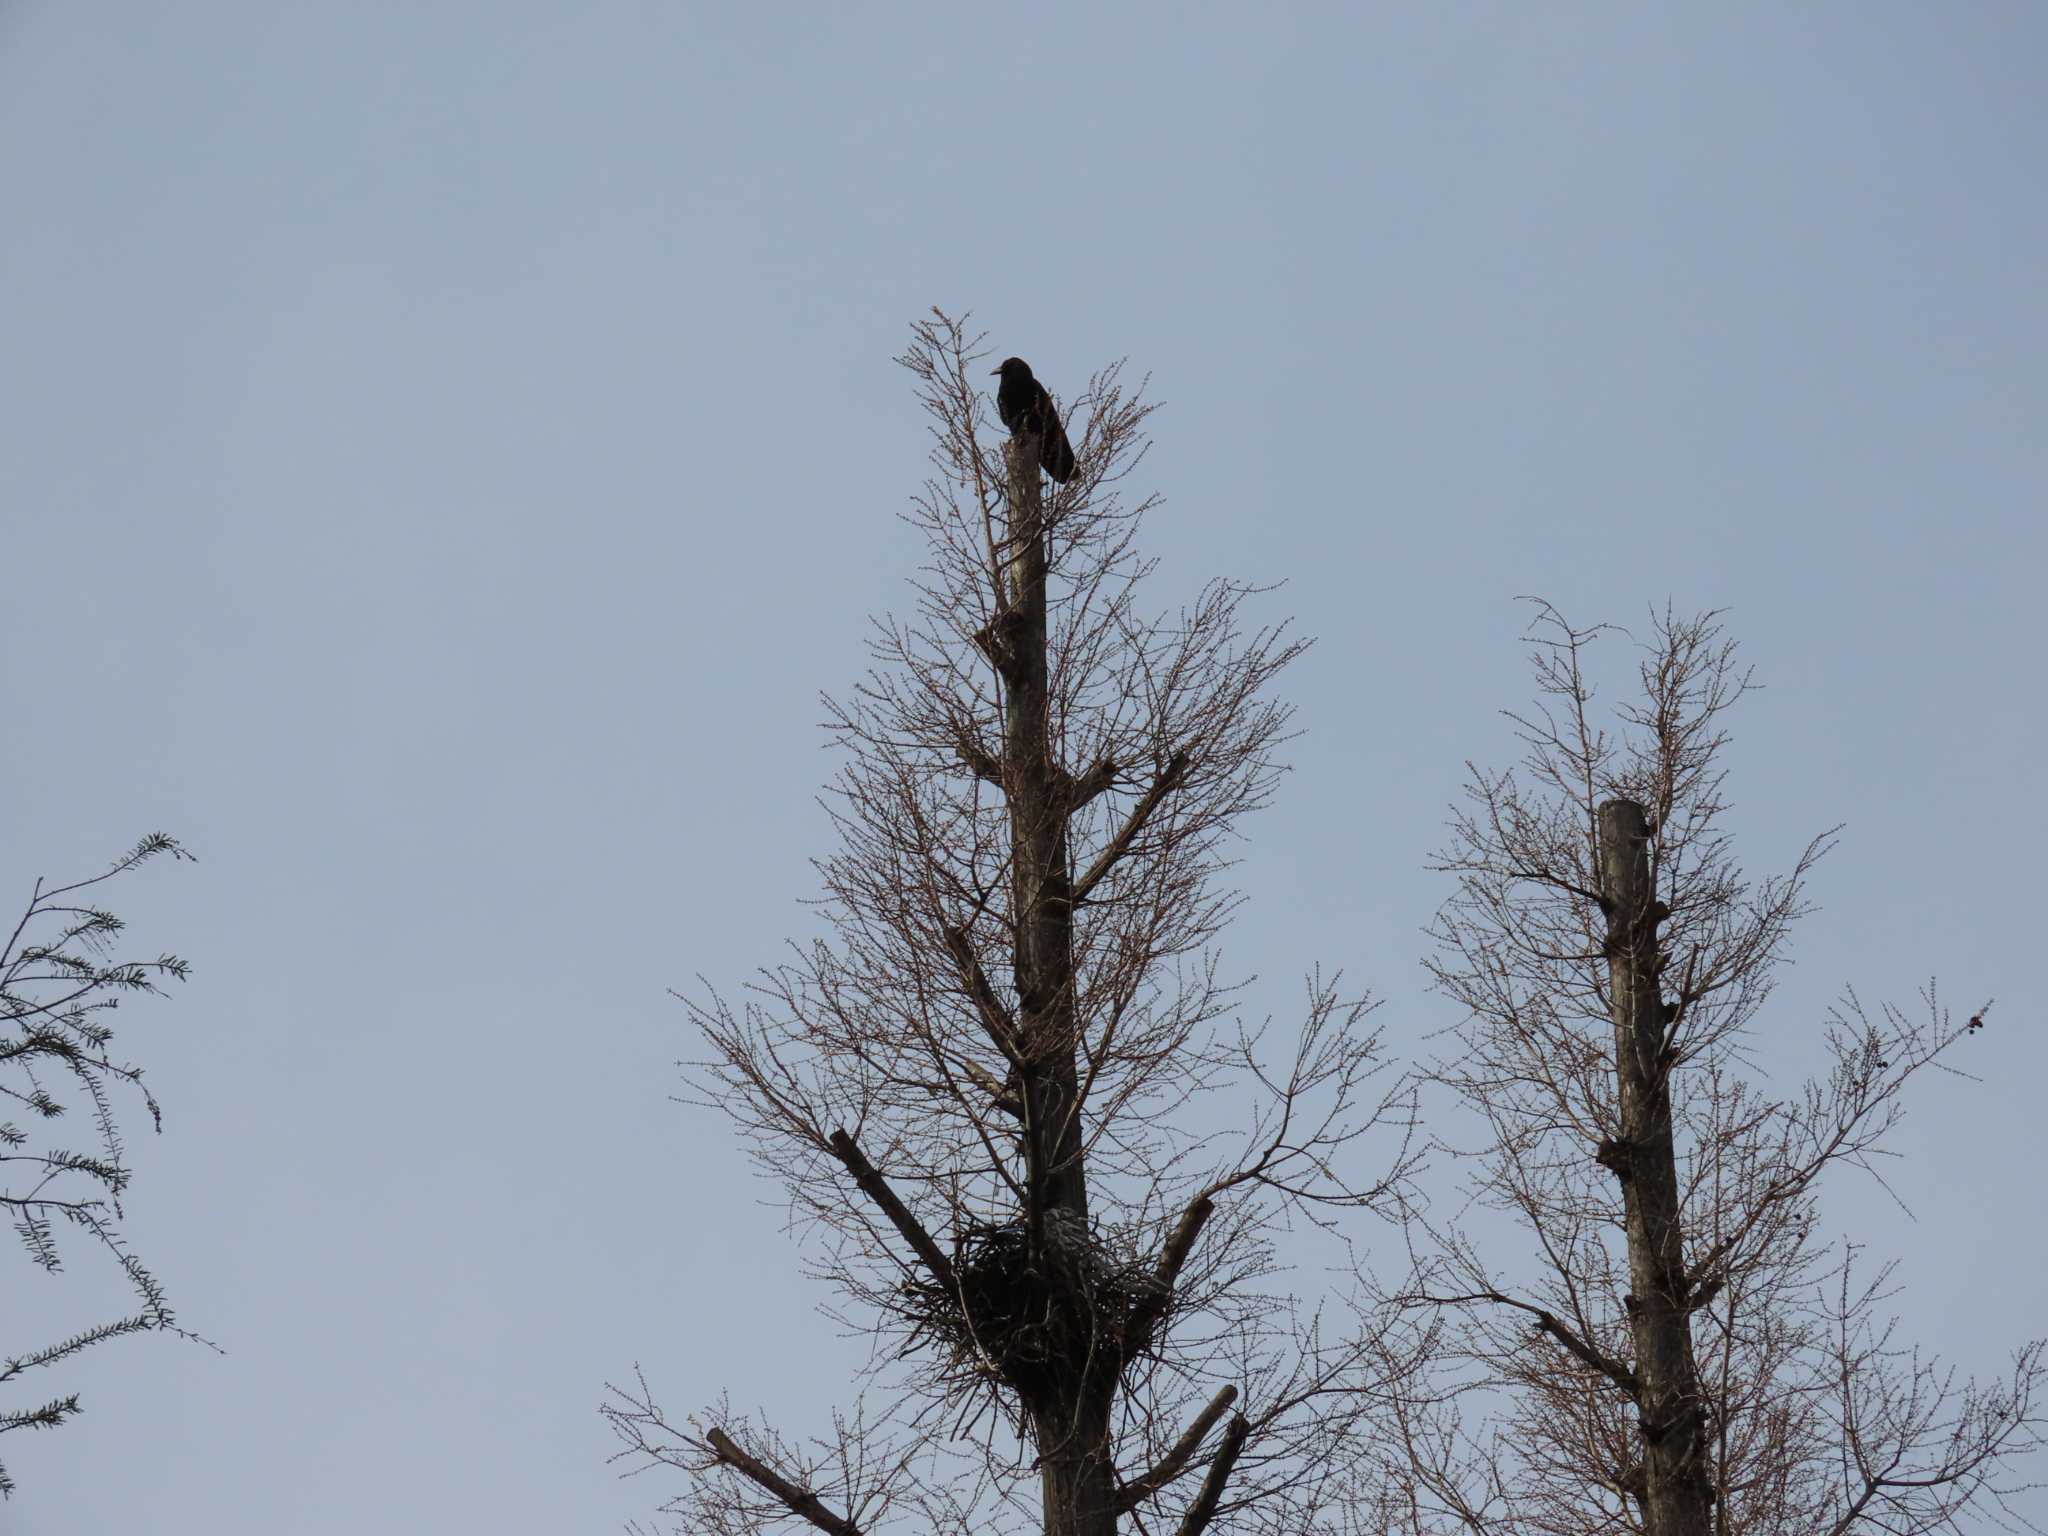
<point x="1068" y="1401"/>
<point x="1677" y="1491"/>
<point x="1075" y="1470"/>
<point x="1035" y="784"/>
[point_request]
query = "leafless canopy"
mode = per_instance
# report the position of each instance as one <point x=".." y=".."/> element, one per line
<point x="58" y="986"/>
<point x="1007" y="1094"/>
<point x="1679" y="1349"/>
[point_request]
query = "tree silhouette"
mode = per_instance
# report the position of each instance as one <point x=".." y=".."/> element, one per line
<point x="984" y="1091"/>
<point x="58" y="987"/>
<point x="1678" y="1351"/>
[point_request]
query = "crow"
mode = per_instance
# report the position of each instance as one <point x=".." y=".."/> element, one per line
<point x="1025" y="407"/>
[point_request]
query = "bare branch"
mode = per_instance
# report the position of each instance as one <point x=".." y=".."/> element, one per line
<point x="59" y="986"/>
<point x="1166" y="783"/>
<point x="1176" y="1460"/>
<point x="1015" y="1001"/>
<point x="877" y="1189"/>
<point x="1002" y="1028"/>
<point x="1610" y="956"/>
<point x="1096" y="781"/>
<point x="1204" y="1508"/>
<point x="801" y="1501"/>
<point x="1172" y="1258"/>
<point x="1547" y="1322"/>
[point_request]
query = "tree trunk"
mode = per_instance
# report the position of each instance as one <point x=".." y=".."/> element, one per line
<point x="1070" y="1403"/>
<point x="1678" y="1494"/>
<point x="1075" y="1471"/>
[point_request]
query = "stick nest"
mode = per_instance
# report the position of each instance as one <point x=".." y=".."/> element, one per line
<point x="1022" y="1317"/>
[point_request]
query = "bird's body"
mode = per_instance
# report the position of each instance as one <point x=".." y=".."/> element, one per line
<point x="1025" y="406"/>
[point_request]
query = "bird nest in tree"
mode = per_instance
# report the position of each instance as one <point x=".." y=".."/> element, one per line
<point x="1017" y="1315"/>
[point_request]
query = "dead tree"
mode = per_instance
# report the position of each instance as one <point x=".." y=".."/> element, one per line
<point x="57" y="987"/>
<point x="1679" y="1352"/>
<point x="985" y="1088"/>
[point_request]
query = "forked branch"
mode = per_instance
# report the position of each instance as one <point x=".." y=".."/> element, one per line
<point x="1203" y="1510"/>
<point x="1176" y="1460"/>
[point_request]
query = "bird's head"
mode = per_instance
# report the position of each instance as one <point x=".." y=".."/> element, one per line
<point x="1013" y="368"/>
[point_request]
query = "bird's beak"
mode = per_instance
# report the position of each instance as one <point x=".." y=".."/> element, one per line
<point x="993" y="372"/>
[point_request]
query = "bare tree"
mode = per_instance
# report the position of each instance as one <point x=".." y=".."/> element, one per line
<point x="983" y="1090"/>
<point x="57" y="988"/>
<point x="1679" y="1350"/>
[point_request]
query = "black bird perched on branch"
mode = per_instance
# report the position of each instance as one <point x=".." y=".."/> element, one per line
<point x="1025" y="407"/>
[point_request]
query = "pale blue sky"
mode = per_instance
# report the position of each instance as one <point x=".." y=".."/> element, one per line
<point x="447" y="448"/>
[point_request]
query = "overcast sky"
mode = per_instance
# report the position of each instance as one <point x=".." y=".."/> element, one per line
<point x="445" y="449"/>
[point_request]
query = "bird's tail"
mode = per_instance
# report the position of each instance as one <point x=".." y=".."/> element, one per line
<point x="1059" y="456"/>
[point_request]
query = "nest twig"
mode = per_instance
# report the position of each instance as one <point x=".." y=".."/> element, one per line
<point x="1020" y="1316"/>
